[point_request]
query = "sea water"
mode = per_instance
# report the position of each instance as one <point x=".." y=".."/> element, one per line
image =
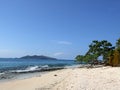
<point x="27" y="65"/>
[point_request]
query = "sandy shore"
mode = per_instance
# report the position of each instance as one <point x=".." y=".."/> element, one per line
<point x="103" y="78"/>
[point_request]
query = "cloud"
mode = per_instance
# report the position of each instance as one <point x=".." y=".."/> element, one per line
<point x="64" y="42"/>
<point x="58" y="54"/>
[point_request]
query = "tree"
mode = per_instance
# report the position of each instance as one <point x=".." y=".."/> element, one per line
<point x="100" y="48"/>
<point x="114" y="56"/>
<point x="118" y="44"/>
<point x="114" y="59"/>
<point x="79" y="58"/>
<point x="90" y="58"/>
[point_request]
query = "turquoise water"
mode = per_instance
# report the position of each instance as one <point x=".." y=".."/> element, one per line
<point x="26" y="65"/>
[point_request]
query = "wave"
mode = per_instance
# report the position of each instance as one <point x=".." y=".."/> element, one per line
<point x="28" y="69"/>
<point x="2" y="73"/>
<point x="32" y="68"/>
<point x="36" y="69"/>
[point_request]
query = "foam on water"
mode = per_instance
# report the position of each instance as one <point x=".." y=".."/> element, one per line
<point x="32" y="68"/>
<point x="31" y="65"/>
<point x="28" y="69"/>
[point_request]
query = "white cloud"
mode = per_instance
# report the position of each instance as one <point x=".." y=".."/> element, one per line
<point x="64" y="42"/>
<point x="58" y="54"/>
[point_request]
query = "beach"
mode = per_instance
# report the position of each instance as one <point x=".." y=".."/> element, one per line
<point x="102" y="78"/>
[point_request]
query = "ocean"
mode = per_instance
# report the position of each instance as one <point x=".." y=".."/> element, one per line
<point x="14" y="66"/>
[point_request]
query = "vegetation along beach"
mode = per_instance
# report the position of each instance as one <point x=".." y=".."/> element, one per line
<point x="59" y="45"/>
<point x="92" y="75"/>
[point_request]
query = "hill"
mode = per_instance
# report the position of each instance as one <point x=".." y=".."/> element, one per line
<point x="37" y="57"/>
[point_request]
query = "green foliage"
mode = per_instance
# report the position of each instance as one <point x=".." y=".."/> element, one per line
<point x="86" y="58"/>
<point x="118" y="44"/>
<point x="100" y="48"/>
<point x="79" y="58"/>
<point x="110" y="54"/>
<point x="90" y="58"/>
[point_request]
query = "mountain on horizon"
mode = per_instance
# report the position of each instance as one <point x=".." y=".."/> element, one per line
<point x="37" y="57"/>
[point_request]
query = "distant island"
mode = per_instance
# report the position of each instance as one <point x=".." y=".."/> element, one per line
<point x="37" y="57"/>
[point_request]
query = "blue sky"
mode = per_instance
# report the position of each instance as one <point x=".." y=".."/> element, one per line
<point x="57" y="28"/>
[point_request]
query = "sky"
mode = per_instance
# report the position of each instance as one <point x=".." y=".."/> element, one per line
<point x="56" y="28"/>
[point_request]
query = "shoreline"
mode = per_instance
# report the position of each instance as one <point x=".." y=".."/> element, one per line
<point x="16" y="75"/>
<point x="7" y="77"/>
<point x="21" y="76"/>
<point x="101" y="78"/>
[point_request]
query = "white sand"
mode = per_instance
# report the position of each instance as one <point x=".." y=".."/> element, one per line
<point x="103" y="78"/>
